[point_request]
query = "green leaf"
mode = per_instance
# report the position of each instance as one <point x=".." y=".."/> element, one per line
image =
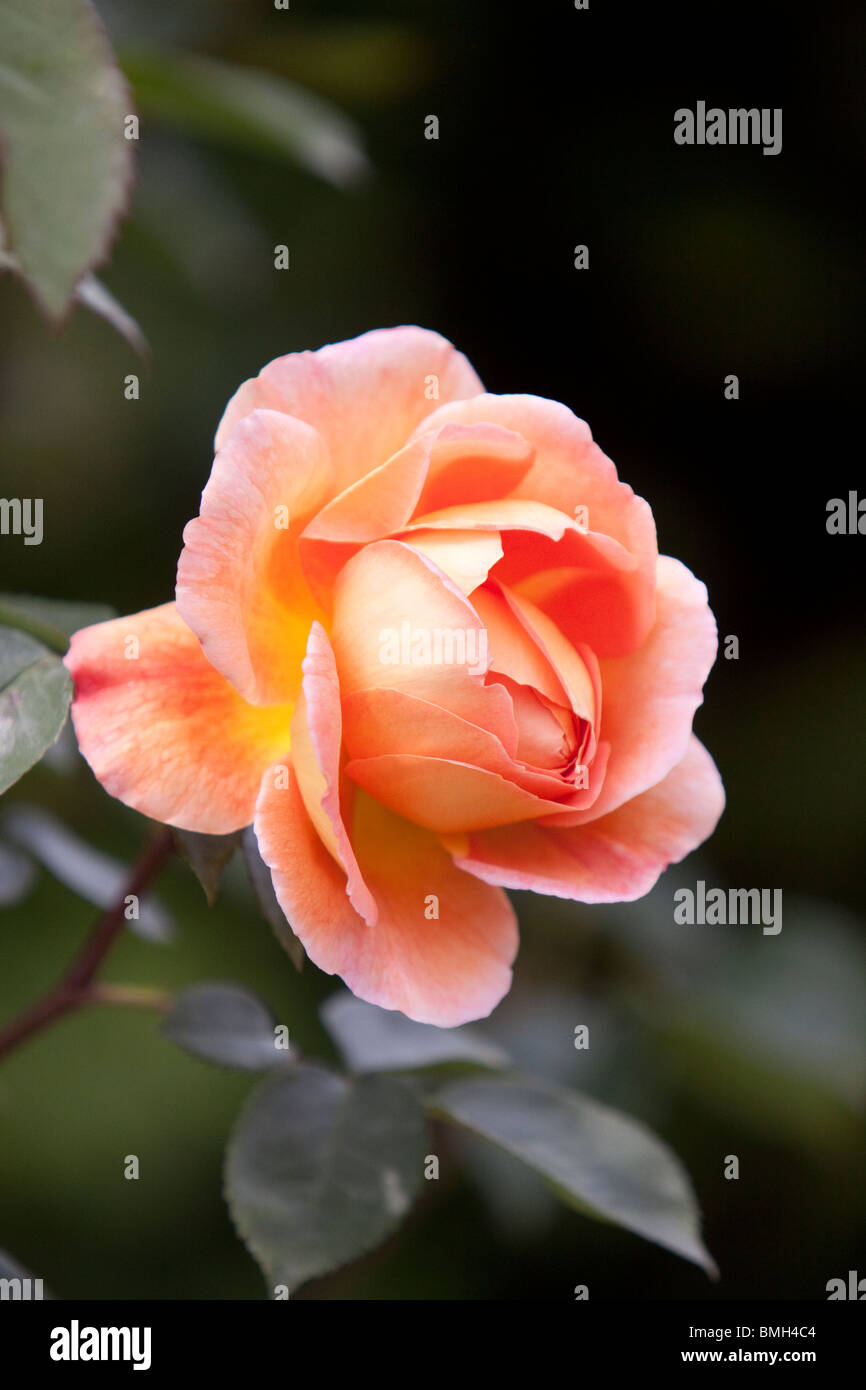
<point x="35" y="693"/>
<point x="67" y="165"/>
<point x="207" y="856"/>
<point x="599" y="1161"/>
<point x="321" y="1169"/>
<point x="94" y="876"/>
<point x="224" y="1023"/>
<point x="51" y="620"/>
<point x="262" y="885"/>
<point x="373" y="1039"/>
<point x="254" y="110"/>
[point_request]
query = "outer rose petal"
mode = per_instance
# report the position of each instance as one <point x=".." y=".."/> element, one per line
<point x="610" y="610"/>
<point x="365" y="397"/>
<point x="239" y="581"/>
<point x="446" y="970"/>
<point x="614" y="859"/>
<point x="165" y="732"/>
<point x="650" y="697"/>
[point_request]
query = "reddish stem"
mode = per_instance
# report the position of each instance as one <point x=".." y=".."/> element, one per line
<point x="74" y="989"/>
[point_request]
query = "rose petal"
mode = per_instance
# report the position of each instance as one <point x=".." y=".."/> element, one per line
<point x="443" y="943"/>
<point x="612" y="609"/>
<point x="162" y="730"/>
<point x="389" y="603"/>
<point x="473" y="463"/>
<point x="650" y="697"/>
<point x="383" y="501"/>
<point x="514" y="651"/>
<point x="239" y="582"/>
<point x="389" y="721"/>
<point x="443" y="795"/>
<point x="316" y="745"/>
<point x="576" y="668"/>
<point x="467" y="557"/>
<point x="616" y="858"/>
<point x="365" y="397"/>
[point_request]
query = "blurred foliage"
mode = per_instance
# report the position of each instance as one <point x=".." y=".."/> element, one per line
<point x="251" y="109"/>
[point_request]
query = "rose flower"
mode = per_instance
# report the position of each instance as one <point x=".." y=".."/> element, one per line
<point x="424" y="643"/>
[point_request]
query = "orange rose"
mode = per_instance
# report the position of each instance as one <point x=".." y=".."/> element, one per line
<point x="423" y="640"/>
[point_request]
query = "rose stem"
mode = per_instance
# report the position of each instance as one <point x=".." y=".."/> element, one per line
<point x="76" y="988"/>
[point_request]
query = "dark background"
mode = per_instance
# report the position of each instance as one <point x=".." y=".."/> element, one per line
<point x="556" y="128"/>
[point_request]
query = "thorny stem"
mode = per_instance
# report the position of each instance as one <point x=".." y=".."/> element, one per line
<point x="78" y="987"/>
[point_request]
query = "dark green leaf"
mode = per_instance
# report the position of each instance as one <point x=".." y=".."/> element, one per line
<point x="207" y="856"/>
<point x="50" y="620"/>
<point x="321" y="1169"/>
<point x="255" y="110"/>
<point x="35" y="692"/>
<point x="263" y="888"/>
<point x="373" y="1039"/>
<point x="604" y="1163"/>
<point x="224" y="1023"/>
<point x="67" y="166"/>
